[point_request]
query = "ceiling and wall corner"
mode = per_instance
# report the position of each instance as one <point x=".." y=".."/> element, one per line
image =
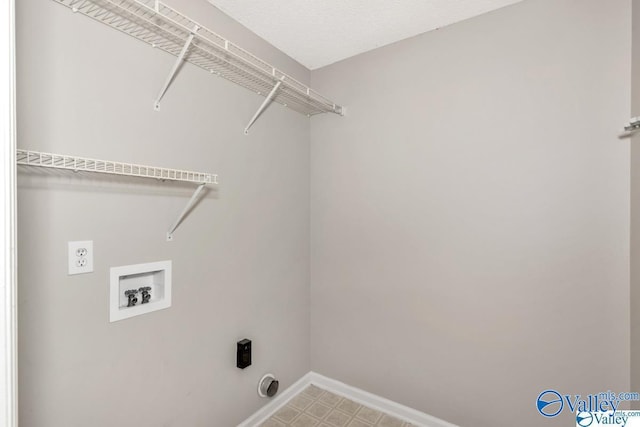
<point x="317" y="33"/>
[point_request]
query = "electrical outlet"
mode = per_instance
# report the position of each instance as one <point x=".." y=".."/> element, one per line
<point x="81" y="257"/>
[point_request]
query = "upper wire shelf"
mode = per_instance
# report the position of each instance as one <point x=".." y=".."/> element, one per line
<point x="77" y="164"/>
<point x="160" y="26"/>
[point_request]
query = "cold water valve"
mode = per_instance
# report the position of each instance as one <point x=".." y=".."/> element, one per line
<point x="131" y="295"/>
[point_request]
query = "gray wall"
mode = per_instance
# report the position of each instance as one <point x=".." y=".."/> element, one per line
<point x="469" y="221"/>
<point x="635" y="206"/>
<point x="470" y="215"/>
<point x="240" y="260"/>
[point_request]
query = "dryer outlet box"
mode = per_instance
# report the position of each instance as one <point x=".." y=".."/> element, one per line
<point x="243" y="354"/>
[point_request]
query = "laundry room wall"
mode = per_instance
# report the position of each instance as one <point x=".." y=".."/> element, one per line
<point x="240" y="259"/>
<point x="470" y="214"/>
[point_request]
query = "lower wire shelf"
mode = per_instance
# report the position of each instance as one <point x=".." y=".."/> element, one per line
<point x="83" y="164"/>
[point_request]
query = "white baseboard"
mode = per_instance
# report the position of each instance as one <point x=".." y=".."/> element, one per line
<point x="357" y="395"/>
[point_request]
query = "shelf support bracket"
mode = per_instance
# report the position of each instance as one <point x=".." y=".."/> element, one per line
<point x="632" y="128"/>
<point x="175" y="68"/>
<point x="264" y="105"/>
<point x="190" y="204"/>
<point x="634" y="125"/>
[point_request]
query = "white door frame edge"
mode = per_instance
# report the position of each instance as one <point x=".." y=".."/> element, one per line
<point x="8" y="282"/>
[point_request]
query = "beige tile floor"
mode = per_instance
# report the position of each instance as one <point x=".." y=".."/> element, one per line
<point x="315" y="407"/>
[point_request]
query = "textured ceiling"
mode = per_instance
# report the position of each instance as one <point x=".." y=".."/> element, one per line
<point x="320" y="32"/>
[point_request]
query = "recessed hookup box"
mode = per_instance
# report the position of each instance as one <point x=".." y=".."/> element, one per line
<point x="139" y="289"/>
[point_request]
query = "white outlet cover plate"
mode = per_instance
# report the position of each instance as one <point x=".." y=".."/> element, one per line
<point x="79" y="264"/>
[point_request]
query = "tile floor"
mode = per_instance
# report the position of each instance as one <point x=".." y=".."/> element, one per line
<point x="315" y="407"/>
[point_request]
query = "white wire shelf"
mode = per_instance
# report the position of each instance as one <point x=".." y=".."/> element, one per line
<point x="83" y="164"/>
<point x="162" y="27"/>
<point x="77" y="164"/>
